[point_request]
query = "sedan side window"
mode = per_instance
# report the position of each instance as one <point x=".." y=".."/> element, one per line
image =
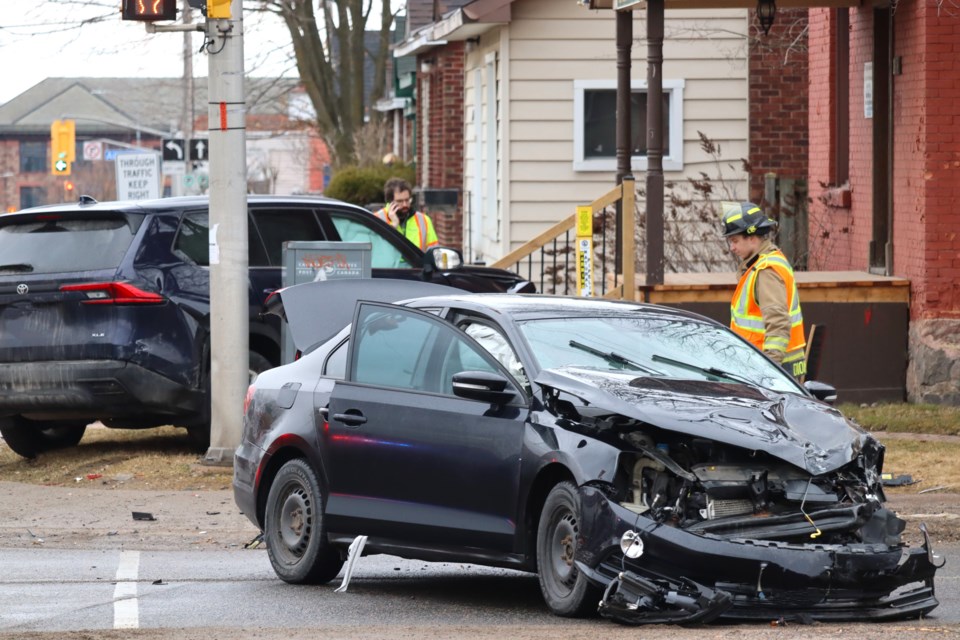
<point x="402" y="348"/>
<point x="496" y="343"/>
<point x="336" y="365"/>
<point x="392" y="348"/>
<point x="384" y="255"/>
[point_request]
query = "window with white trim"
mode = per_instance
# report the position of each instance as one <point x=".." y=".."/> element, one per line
<point x="595" y="125"/>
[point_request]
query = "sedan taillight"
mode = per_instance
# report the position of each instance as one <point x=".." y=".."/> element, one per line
<point x="246" y="400"/>
<point x="114" y="293"/>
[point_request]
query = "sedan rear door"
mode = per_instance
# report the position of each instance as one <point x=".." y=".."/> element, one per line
<point x="408" y="460"/>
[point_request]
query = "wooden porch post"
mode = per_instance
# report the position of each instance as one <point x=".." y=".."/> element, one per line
<point x="623" y="133"/>
<point x="654" y="142"/>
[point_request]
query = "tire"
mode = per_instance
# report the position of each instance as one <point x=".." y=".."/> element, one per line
<point x="294" y="528"/>
<point x="565" y="590"/>
<point x="30" y="438"/>
<point x="258" y="364"/>
<point x="199" y="434"/>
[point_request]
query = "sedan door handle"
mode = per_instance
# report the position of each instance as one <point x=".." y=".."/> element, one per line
<point x="350" y="418"/>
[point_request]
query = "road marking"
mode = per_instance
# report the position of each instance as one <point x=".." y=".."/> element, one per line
<point x="125" y="609"/>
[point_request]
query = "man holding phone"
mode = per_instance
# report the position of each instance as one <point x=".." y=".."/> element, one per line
<point x="415" y="226"/>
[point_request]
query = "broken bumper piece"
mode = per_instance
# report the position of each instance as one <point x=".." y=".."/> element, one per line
<point x="686" y="577"/>
<point x="632" y="599"/>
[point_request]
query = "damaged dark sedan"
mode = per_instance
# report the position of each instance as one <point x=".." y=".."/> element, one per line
<point x="636" y="456"/>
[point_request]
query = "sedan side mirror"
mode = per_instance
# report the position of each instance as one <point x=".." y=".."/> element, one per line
<point x="441" y="259"/>
<point x="483" y="386"/>
<point x="821" y="391"/>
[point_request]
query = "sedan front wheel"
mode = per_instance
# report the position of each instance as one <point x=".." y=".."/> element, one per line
<point x="294" y="528"/>
<point x="565" y="590"/>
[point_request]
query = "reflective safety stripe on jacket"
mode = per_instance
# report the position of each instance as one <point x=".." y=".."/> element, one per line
<point x="746" y="318"/>
<point x="421" y="233"/>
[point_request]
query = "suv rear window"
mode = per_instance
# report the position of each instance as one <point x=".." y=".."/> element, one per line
<point x="64" y="244"/>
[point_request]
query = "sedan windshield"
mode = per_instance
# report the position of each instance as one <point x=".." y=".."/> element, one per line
<point x="649" y="345"/>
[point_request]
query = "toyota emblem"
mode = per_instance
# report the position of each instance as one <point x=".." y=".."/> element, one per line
<point x="23" y="289"/>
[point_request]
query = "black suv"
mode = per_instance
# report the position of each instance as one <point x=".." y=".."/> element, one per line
<point x="104" y="307"/>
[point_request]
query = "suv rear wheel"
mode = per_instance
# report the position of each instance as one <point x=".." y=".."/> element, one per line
<point x="30" y="438"/>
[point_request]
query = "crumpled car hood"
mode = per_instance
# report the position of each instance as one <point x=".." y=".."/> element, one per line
<point x="799" y="430"/>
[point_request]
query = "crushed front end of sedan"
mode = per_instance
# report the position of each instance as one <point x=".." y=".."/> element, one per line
<point x="731" y="501"/>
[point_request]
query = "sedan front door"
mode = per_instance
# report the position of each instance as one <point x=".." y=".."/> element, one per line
<point x="408" y="460"/>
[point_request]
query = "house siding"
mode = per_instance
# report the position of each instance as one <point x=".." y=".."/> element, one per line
<point x="551" y="46"/>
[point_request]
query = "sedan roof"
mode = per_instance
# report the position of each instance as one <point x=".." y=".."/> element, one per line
<point x="317" y="311"/>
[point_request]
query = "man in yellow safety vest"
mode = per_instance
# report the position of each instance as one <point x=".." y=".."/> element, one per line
<point x="415" y="226"/>
<point x="765" y="309"/>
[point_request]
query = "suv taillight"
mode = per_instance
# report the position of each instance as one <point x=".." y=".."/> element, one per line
<point x="114" y="293"/>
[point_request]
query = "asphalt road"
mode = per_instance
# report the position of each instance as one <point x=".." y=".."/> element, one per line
<point x="61" y="590"/>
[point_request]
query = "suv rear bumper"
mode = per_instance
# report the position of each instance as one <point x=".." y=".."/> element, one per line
<point x="94" y="389"/>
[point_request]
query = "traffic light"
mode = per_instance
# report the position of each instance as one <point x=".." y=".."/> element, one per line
<point x="149" y="10"/>
<point x="63" y="146"/>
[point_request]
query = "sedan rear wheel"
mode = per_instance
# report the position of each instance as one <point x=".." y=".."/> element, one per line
<point x="294" y="528"/>
<point x="30" y="438"/>
<point x="565" y="590"/>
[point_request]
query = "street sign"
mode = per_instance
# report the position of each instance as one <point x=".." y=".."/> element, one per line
<point x="93" y="150"/>
<point x="173" y="149"/>
<point x="620" y="5"/>
<point x="138" y="176"/>
<point x="199" y="149"/>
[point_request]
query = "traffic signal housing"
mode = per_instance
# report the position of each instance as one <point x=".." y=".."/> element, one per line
<point x="218" y="9"/>
<point x="149" y="10"/>
<point x="63" y="146"/>
<point x="212" y="8"/>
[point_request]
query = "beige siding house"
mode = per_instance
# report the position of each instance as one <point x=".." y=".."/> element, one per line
<point x="539" y="117"/>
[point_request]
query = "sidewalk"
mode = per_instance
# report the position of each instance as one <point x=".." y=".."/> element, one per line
<point x="64" y="517"/>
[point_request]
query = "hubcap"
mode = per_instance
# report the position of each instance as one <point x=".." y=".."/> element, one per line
<point x="295" y="521"/>
<point x="564" y="547"/>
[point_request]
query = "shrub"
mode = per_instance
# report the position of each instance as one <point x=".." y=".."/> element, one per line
<point x="364" y="186"/>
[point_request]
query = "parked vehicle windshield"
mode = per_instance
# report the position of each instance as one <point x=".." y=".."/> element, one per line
<point x="63" y="245"/>
<point x="650" y="346"/>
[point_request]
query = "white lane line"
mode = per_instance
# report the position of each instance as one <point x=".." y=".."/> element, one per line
<point x="126" y="614"/>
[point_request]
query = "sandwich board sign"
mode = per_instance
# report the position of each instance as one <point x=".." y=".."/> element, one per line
<point x="138" y="175"/>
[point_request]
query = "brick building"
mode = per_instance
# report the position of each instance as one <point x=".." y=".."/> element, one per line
<point x="885" y="167"/>
<point x="440" y="141"/>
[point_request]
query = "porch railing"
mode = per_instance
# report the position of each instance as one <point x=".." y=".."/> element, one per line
<point x="550" y="260"/>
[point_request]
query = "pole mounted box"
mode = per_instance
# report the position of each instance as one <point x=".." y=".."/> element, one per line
<point x="63" y="146"/>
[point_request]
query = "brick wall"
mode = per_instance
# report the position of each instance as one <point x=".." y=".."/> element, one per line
<point x="830" y="227"/>
<point x="778" y="102"/>
<point x="912" y="99"/>
<point x="444" y="125"/>
<point x="939" y="219"/>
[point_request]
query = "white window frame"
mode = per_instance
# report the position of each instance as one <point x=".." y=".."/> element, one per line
<point x="673" y="162"/>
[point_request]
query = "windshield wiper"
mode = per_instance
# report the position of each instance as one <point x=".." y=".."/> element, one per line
<point x="18" y="267"/>
<point x="614" y="358"/>
<point x="707" y="371"/>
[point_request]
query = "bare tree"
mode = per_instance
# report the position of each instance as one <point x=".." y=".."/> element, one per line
<point x="331" y="55"/>
<point x="331" y="50"/>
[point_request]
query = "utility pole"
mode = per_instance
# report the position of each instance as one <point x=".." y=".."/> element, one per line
<point x="186" y="124"/>
<point x="229" y="304"/>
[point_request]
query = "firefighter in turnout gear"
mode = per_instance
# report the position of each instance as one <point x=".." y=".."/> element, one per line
<point x="765" y="309"/>
<point x="413" y="225"/>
